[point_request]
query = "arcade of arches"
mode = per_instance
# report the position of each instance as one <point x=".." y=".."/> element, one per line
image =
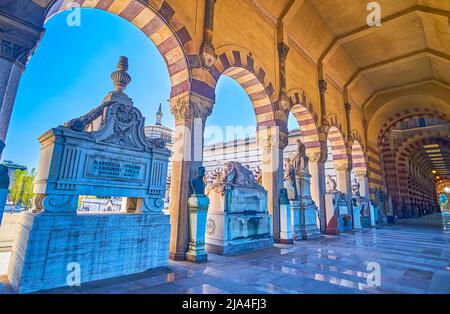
<point x="371" y="102"/>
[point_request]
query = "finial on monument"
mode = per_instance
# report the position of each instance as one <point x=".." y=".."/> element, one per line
<point x="121" y="78"/>
<point x="159" y="115"/>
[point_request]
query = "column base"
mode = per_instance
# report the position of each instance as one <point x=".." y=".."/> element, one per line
<point x="177" y="257"/>
<point x="197" y="257"/>
<point x="310" y="233"/>
<point x="285" y="241"/>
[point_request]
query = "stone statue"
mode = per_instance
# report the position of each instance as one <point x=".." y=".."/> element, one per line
<point x="198" y="183"/>
<point x="300" y="160"/>
<point x="234" y="175"/>
<point x="355" y="187"/>
<point x="289" y="180"/>
<point x="331" y="184"/>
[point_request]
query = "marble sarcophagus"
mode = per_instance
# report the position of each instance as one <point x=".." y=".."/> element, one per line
<point x="238" y="218"/>
<point x="105" y="154"/>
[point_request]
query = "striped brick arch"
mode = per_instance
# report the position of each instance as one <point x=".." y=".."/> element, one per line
<point x="358" y="157"/>
<point x="307" y="119"/>
<point x="408" y="148"/>
<point x="388" y="158"/>
<point x="339" y="149"/>
<point x="243" y="68"/>
<point x="158" y="20"/>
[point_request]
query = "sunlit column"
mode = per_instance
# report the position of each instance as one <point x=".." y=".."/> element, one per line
<point x="16" y="44"/>
<point x="364" y="183"/>
<point x="190" y="112"/>
<point x="343" y="176"/>
<point x="272" y="142"/>
<point x="317" y="172"/>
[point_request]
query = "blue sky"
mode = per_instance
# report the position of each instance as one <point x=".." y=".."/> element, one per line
<point x="69" y="75"/>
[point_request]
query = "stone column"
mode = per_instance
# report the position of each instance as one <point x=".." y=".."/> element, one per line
<point x="10" y="73"/>
<point x="272" y="142"/>
<point x="364" y="183"/>
<point x="17" y="42"/>
<point x="190" y="111"/>
<point x="318" y="189"/>
<point x="343" y="176"/>
<point x="207" y="52"/>
<point x="323" y="107"/>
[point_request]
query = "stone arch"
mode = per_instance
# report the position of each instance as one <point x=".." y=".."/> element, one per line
<point x="336" y="136"/>
<point x="243" y="68"/>
<point x="359" y="163"/>
<point x="408" y="147"/>
<point x="387" y="155"/>
<point x="303" y="111"/>
<point x="161" y="24"/>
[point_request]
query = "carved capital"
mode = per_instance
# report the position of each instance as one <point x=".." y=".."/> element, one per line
<point x="190" y="106"/>
<point x="341" y="167"/>
<point x="314" y="156"/>
<point x="284" y="102"/>
<point x="14" y="52"/>
<point x="207" y="55"/>
<point x="283" y="51"/>
<point x="348" y="108"/>
<point x="323" y="86"/>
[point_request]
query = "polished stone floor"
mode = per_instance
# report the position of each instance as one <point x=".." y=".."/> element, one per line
<point x="412" y="259"/>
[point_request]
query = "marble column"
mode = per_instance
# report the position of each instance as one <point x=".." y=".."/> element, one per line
<point x="343" y="176"/>
<point x="190" y="111"/>
<point x="363" y="180"/>
<point x="272" y="142"/>
<point x="17" y="42"/>
<point x="318" y="189"/>
<point x="10" y="74"/>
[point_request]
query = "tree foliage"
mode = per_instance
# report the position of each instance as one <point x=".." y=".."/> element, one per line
<point x="21" y="191"/>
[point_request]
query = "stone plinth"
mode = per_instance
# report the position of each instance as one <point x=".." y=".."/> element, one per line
<point x="337" y="213"/>
<point x="286" y="227"/>
<point x="356" y="212"/>
<point x="198" y="211"/>
<point x="295" y="215"/>
<point x="364" y="206"/>
<point x="308" y="209"/>
<point x="104" y="246"/>
<point x="238" y="221"/>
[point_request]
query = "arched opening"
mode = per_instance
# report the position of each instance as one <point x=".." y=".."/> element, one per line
<point x="421" y="161"/>
<point x="336" y="165"/>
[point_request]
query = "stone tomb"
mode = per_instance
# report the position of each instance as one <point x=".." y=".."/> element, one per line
<point x="238" y="218"/>
<point x="103" y="153"/>
<point x="337" y="213"/>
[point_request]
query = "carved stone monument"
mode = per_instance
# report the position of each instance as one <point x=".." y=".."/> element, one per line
<point x="290" y="184"/>
<point x="4" y="184"/>
<point x="308" y="208"/>
<point x="356" y="212"/>
<point x="103" y="153"/>
<point x="338" y="216"/>
<point x="198" y="209"/>
<point x="238" y="217"/>
<point x="286" y="234"/>
<point x="362" y="204"/>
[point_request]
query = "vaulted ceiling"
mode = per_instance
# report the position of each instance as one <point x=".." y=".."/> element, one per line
<point x="411" y="46"/>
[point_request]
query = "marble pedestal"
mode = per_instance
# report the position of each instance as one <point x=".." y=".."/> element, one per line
<point x="308" y="209"/>
<point x="286" y="234"/>
<point x="337" y="213"/>
<point x="198" y="211"/>
<point x="295" y="215"/>
<point x="373" y="221"/>
<point x="238" y="221"/>
<point x="356" y="217"/>
<point x="104" y="246"/>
